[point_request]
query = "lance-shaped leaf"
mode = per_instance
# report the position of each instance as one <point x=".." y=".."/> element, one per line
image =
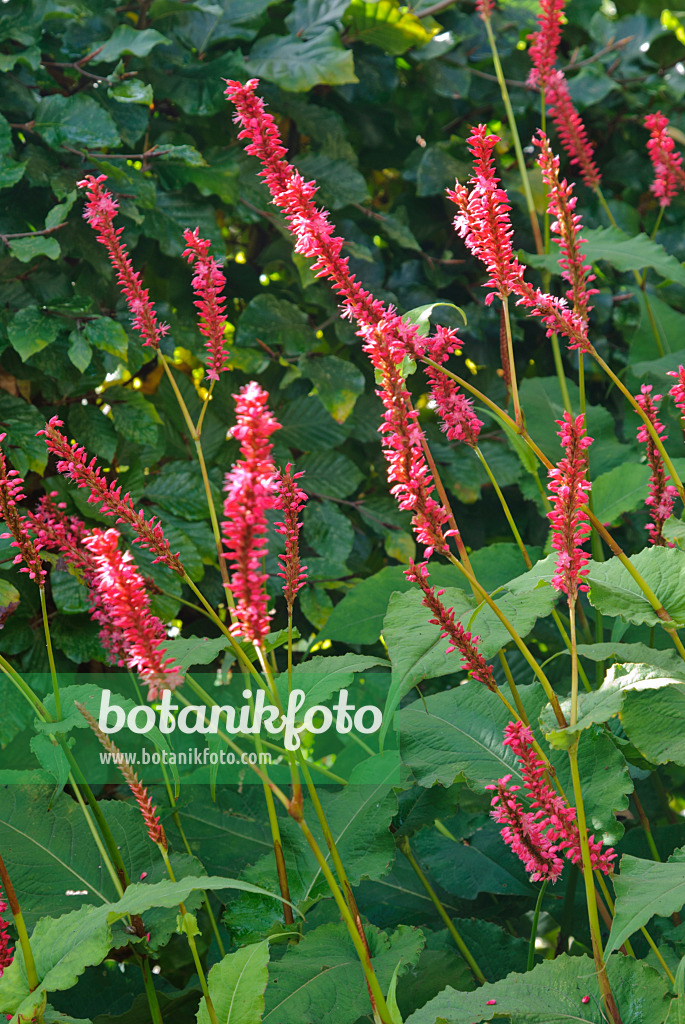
<point x="645" y="888"/>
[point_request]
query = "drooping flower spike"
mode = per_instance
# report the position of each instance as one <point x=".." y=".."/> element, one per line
<point x="570" y="487"/>
<point x="130" y="632"/>
<point x="455" y="409"/>
<point x="291" y="500"/>
<point x="154" y="827"/>
<point x="101" y="209"/>
<point x="570" y="127"/>
<point x="662" y="495"/>
<point x="459" y="639"/>
<point x="669" y="175"/>
<point x="11" y="492"/>
<point x="524" y="833"/>
<point x="73" y="463"/>
<point x="208" y="284"/>
<point x="250" y="492"/>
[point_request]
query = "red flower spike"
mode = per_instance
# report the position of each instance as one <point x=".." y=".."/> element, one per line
<point x="251" y="491"/>
<point x="567" y="227"/>
<point x="484" y="8"/>
<point x="545" y="42"/>
<point x="524" y="833"/>
<point x="570" y="524"/>
<point x="73" y="463"/>
<point x="154" y="827"/>
<point x="101" y="208"/>
<point x="459" y="639"/>
<point x="569" y="125"/>
<point x="12" y="491"/>
<point x="677" y="391"/>
<point x="6" y="951"/>
<point x="291" y="500"/>
<point x="661" y="494"/>
<point x="668" y="170"/>
<point x="454" y="408"/>
<point x="208" y="285"/>
<point x="130" y="632"/>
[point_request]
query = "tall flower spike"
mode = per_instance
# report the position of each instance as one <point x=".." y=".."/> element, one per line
<point x="661" y="494"/>
<point x="454" y="408"/>
<point x="524" y="833"/>
<point x="291" y="500"/>
<point x="72" y="461"/>
<point x="12" y="491"/>
<point x="100" y="211"/>
<point x="459" y="639"/>
<point x="387" y="339"/>
<point x="154" y="827"/>
<point x="250" y="491"/>
<point x="570" y="487"/>
<point x="545" y="42"/>
<point x="567" y="227"/>
<point x="551" y="810"/>
<point x="569" y="125"/>
<point x="668" y="170"/>
<point x="208" y="285"/>
<point x="122" y="607"/>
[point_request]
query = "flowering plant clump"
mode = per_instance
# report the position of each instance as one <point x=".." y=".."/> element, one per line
<point x="376" y="576"/>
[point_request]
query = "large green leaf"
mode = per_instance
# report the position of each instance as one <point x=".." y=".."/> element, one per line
<point x="614" y="592"/>
<point x="388" y="25"/>
<point x="236" y="986"/>
<point x="622" y="489"/>
<point x="21" y="421"/>
<point x="27" y="249"/>
<point x="76" y="120"/>
<point x="180" y="490"/>
<point x="339" y="183"/>
<point x="338" y="384"/>
<point x="329" y="475"/>
<point x="416" y="650"/>
<point x="127" y="39"/>
<point x="645" y="888"/>
<point x="298" y="65"/>
<point x="561" y="991"/>
<point x="31" y="331"/>
<point x="320" y="678"/>
<point x="276" y="322"/>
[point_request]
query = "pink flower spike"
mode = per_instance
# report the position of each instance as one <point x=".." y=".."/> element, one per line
<point x="72" y="461"/>
<point x="524" y="833"/>
<point x="6" y="951"/>
<point x="208" y="285"/>
<point x="11" y="492"/>
<point x="454" y="408"/>
<point x="250" y="491"/>
<point x="122" y="607"/>
<point x="459" y="638"/>
<point x="101" y="208"/>
<point x="570" y="523"/>
<point x="545" y="42"/>
<point x="677" y="391"/>
<point x="668" y="170"/>
<point x="484" y="8"/>
<point x="662" y="495"/>
<point x="571" y="129"/>
<point x="291" y="500"/>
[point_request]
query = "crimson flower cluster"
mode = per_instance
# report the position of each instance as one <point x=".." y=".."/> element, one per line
<point x="12" y="491"/>
<point x="101" y="209"/>
<point x="459" y="639"/>
<point x="667" y="163"/>
<point x="570" y="487"/>
<point x="661" y="494"/>
<point x="677" y="391"/>
<point x="250" y="492"/>
<point x="6" y="951"/>
<point x="545" y="42"/>
<point x="208" y="285"/>
<point x="539" y="835"/>
<point x="72" y="461"/>
<point x="291" y="500"/>
<point x="120" y="604"/>
<point x="454" y="408"/>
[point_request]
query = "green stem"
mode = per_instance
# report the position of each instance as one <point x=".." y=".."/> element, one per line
<point x="646" y="827"/>
<point x="534" y="926"/>
<point x="23" y="935"/>
<point x="96" y="838"/>
<point x="512" y="367"/>
<point x="150" y="991"/>
<point x="505" y="508"/>
<point x="51" y="657"/>
<point x="459" y="942"/>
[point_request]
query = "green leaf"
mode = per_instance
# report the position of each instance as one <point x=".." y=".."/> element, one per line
<point x="483" y="864"/>
<point x="554" y="993"/>
<point x="298" y="65"/>
<point x="31" y="331"/>
<point x="653" y="714"/>
<point x="307" y="16"/>
<point x="180" y="490"/>
<point x="21" y="421"/>
<point x="26" y="249"/>
<point x="331" y="534"/>
<point x="438" y="170"/>
<point x="421" y="315"/>
<point x="622" y="489"/>
<point x="338" y="383"/>
<point x="321" y="677"/>
<point x="416" y="650"/>
<point x="236" y="986"/>
<point x="614" y="592"/>
<point x="394" y="227"/>
<point x="89" y="422"/>
<point x="329" y="475"/>
<point x="134" y="416"/>
<point x="132" y="91"/>
<point x="195" y="650"/>
<point x="70" y="596"/>
<point x="457" y="731"/>
<point x="80" y="352"/>
<point x="127" y="39"/>
<point x="278" y="323"/>
<point x="307" y="425"/>
<point x="107" y="335"/>
<point x="669" y="661"/>
<point x="645" y="888"/>
<point x="339" y="182"/>
<point x="77" y="121"/>
<point x="625" y="252"/>
<point x="388" y="26"/>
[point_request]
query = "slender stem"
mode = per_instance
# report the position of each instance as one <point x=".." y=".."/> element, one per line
<point x="653" y="235"/>
<point x="534" y="926"/>
<point x="567" y="642"/>
<point x="459" y="942"/>
<point x="51" y="657"/>
<point x="561" y="376"/>
<point x="98" y="841"/>
<point x="505" y="508"/>
<point x="23" y="935"/>
<point x="513" y="688"/>
<point x="151" y="991"/>
<point x="512" y="367"/>
<point x="515" y="137"/>
<point x="574" y="660"/>
<point x="644" y="821"/>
